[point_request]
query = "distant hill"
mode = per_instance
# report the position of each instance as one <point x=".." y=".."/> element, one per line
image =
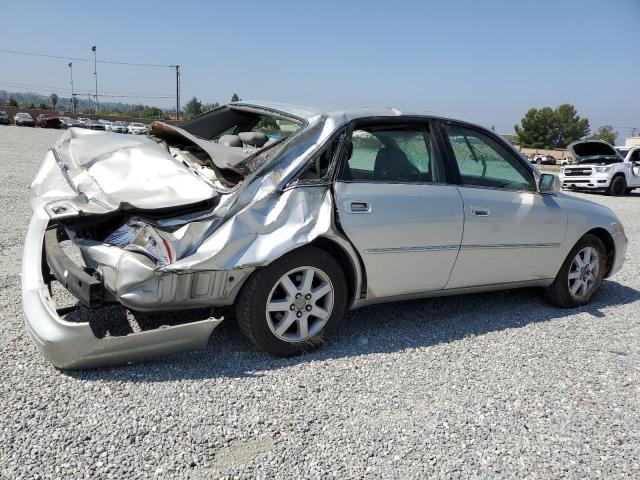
<point x="64" y="103"/>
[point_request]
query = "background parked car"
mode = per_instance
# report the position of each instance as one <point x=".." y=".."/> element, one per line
<point x="93" y="125"/>
<point x="544" y="160"/>
<point x="138" y="128"/>
<point x="4" y="118"/>
<point x="48" y="120"/>
<point x="68" y="122"/>
<point x="22" y="119"/>
<point x="119" y="127"/>
<point x="83" y="121"/>
<point x="107" y="124"/>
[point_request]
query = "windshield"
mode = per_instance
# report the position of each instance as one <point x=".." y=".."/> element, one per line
<point x="137" y="125"/>
<point x="623" y="151"/>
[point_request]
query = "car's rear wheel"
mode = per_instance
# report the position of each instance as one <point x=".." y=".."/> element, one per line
<point x="581" y="274"/>
<point x="294" y="304"/>
<point x="618" y="186"/>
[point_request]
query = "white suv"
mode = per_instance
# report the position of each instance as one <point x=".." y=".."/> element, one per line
<point x="599" y="166"/>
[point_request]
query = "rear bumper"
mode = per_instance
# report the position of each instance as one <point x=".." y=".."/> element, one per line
<point x="74" y="345"/>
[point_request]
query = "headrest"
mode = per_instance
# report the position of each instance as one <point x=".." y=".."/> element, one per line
<point x="230" y="141"/>
<point x="255" y="139"/>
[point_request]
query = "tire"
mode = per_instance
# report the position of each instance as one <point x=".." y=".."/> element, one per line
<point x="265" y="328"/>
<point x="618" y="186"/>
<point x="560" y="294"/>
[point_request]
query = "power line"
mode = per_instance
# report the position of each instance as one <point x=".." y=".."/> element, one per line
<point x="60" y="57"/>
<point x="113" y="62"/>
<point x="27" y="86"/>
<point x="40" y="91"/>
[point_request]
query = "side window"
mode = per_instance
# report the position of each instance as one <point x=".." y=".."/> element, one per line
<point x="484" y="162"/>
<point x="392" y="154"/>
<point x="323" y="163"/>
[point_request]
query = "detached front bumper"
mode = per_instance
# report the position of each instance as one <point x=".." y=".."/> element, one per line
<point x="74" y="345"/>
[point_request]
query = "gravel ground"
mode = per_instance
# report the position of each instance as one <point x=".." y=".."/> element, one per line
<point x="496" y="385"/>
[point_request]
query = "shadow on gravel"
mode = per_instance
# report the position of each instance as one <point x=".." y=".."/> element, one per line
<point x="385" y="328"/>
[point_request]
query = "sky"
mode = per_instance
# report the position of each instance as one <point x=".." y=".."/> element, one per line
<point x="483" y="61"/>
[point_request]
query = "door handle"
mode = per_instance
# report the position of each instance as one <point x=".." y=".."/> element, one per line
<point x="360" y="207"/>
<point x="480" y="211"/>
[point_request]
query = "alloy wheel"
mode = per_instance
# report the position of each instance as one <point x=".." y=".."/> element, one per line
<point x="300" y="304"/>
<point x="583" y="272"/>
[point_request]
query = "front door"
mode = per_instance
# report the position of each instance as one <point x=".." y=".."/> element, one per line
<point x="633" y="169"/>
<point x="512" y="233"/>
<point x="396" y="209"/>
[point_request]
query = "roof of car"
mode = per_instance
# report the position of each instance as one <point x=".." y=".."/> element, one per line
<point x="306" y="112"/>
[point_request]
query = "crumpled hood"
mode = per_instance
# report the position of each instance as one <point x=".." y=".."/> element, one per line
<point x="100" y="172"/>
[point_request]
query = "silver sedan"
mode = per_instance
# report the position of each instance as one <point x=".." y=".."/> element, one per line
<point x="288" y="216"/>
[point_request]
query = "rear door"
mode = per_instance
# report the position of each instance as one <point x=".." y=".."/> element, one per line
<point x="512" y="233"/>
<point x="396" y="208"/>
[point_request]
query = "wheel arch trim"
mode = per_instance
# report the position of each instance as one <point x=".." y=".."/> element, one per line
<point x="609" y="244"/>
<point x="349" y="260"/>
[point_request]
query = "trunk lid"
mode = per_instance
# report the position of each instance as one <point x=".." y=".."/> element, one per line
<point x="96" y="172"/>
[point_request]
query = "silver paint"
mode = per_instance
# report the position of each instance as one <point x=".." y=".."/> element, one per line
<point x="412" y="240"/>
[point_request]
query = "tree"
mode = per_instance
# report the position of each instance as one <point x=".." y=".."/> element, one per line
<point x="537" y="128"/>
<point x="150" y="112"/>
<point x="54" y="100"/>
<point x="31" y="105"/>
<point x="548" y="128"/>
<point x="268" y="123"/>
<point x="235" y="98"/>
<point x="570" y="126"/>
<point x="13" y="102"/>
<point x="43" y="106"/>
<point x="193" y="108"/>
<point x="606" y="133"/>
<point x="210" y="106"/>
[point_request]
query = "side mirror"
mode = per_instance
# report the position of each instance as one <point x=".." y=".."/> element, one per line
<point x="549" y="183"/>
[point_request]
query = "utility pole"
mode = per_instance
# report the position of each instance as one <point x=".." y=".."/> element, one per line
<point x="177" y="67"/>
<point x="73" y="107"/>
<point x="95" y="72"/>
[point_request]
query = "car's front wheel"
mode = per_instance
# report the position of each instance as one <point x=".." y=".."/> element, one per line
<point x="294" y="304"/>
<point x="618" y="186"/>
<point x="581" y="274"/>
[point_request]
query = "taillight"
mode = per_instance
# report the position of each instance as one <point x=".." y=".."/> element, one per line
<point x="138" y="236"/>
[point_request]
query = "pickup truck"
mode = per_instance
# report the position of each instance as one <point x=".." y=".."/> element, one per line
<point x="599" y="166"/>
